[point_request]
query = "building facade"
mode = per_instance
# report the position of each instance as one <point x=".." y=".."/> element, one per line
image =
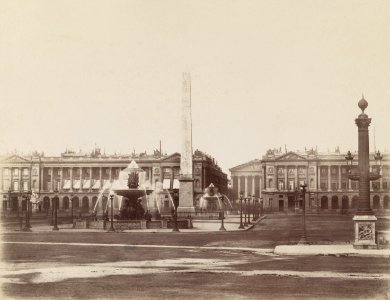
<point x="81" y="177"/>
<point x="276" y="179"/>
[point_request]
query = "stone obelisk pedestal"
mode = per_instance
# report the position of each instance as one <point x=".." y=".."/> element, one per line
<point x="186" y="187"/>
<point x="364" y="232"/>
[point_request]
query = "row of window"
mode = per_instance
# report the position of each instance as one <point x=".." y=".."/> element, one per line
<point x="66" y="171"/>
<point x="15" y="171"/>
<point x="324" y="185"/>
<point x="323" y="202"/>
<point x="16" y="187"/>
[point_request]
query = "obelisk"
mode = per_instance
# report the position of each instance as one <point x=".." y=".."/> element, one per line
<point x="186" y="187"/>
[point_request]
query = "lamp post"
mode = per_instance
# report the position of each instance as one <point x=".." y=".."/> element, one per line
<point x="27" y="223"/>
<point x="364" y="219"/>
<point x="112" y="229"/>
<point x="261" y="207"/>
<point x="241" y="197"/>
<point x="254" y="201"/>
<point x="222" y="228"/>
<point x="249" y="210"/>
<point x="245" y="212"/>
<point x="303" y="240"/>
<point x="176" y="205"/>
<point x="55" y="204"/>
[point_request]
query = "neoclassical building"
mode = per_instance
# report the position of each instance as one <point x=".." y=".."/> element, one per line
<point x="81" y="177"/>
<point x="277" y="176"/>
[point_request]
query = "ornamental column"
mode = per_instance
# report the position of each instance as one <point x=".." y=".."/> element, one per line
<point x="362" y="123"/>
<point x="20" y="180"/>
<point x="51" y="179"/>
<point x="90" y="179"/>
<point x="339" y="184"/>
<point x="285" y="187"/>
<point x="71" y="179"/>
<point x="81" y="178"/>
<point x="100" y="177"/>
<point x="61" y="177"/>
<point x="329" y="181"/>
<point x="246" y="186"/>
<point x="318" y="178"/>
<point x="364" y="218"/>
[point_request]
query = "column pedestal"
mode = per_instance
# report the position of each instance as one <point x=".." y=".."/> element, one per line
<point x="186" y="196"/>
<point x="364" y="232"/>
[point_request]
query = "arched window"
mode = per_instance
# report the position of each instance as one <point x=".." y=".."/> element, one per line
<point x="65" y="203"/>
<point x="345" y="202"/>
<point x="85" y="203"/>
<point x="324" y="202"/>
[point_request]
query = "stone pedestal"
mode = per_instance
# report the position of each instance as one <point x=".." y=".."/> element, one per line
<point x="364" y="232"/>
<point x="186" y="196"/>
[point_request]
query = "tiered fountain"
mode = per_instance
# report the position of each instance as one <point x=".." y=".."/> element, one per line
<point x="210" y="203"/>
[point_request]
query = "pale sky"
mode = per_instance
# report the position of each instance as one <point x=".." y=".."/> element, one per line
<point x="264" y="74"/>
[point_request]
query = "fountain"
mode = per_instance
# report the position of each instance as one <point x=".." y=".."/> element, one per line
<point x="210" y="203"/>
<point x="133" y="189"/>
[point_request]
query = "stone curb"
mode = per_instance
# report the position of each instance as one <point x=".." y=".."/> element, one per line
<point x="329" y="250"/>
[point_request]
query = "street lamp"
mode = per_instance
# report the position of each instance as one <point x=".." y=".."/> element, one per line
<point x="27" y="223"/>
<point x="261" y="207"/>
<point x="349" y="159"/>
<point x="303" y="240"/>
<point x="55" y="203"/>
<point x="378" y="159"/>
<point x="112" y="229"/>
<point x="222" y="228"/>
<point x="249" y="210"/>
<point x="176" y="205"/>
<point x="241" y="197"/>
<point x="245" y="212"/>
<point x="254" y="201"/>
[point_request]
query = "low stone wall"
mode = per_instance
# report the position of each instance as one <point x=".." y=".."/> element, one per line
<point x="80" y="224"/>
<point x="121" y="225"/>
<point x="181" y="223"/>
<point x="156" y="224"/>
<point x="100" y="224"/>
<point x="129" y="224"/>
